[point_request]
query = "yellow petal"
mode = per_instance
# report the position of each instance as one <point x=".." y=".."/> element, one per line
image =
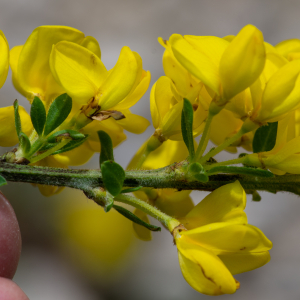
<point x="288" y="46"/>
<point x="33" y="66"/>
<point x="78" y="70"/>
<point x="14" y="55"/>
<point x="176" y="209"/>
<point x="4" y="58"/>
<point x="243" y="262"/>
<point x="221" y="238"/>
<point x="203" y="270"/>
<point x="110" y="126"/>
<point x="133" y="123"/>
<point x="225" y="204"/>
<point x="120" y="81"/>
<point x="91" y="44"/>
<point x="140" y="231"/>
<point x="8" y="134"/>
<point x="200" y="56"/>
<point x="281" y="93"/>
<point x="75" y="157"/>
<point x="242" y="61"/>
<point x="136" y="94"/>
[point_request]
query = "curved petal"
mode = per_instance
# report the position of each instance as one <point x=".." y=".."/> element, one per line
<point x="136" y="94"/>
<point x="120" y="80"/>
<point x="33" y="66"/>
<point x="78" y="70"/>
<point x="8" y="134"/>
<point x="140" y="231"/>
<point x="221" y="238"/>
<point x="283" y="84"/>
<point x="14" y="55"/>
<point x="133" y="123"/>
<point x="110" y="126"/>
<point x="91" y="44"/>
<point x="200" y="56"/>
<point x="225" y="204"/>
<point x="75" y="157"/>
<point x="288" y="46"/>
<point x="4" y="58"/>
<point x="203" y="270"/>
<point x="176" y="209"/>
<point x="242" y="61"/>
<point x="243" y="262"/>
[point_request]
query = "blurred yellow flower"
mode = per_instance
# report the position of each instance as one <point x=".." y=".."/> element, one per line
<point x="4" y="58"/>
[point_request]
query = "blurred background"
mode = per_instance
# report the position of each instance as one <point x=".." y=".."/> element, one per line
<point x="71" y="248"/>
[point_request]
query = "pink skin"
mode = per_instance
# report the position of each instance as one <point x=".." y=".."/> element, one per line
<point x="10" y="250"/>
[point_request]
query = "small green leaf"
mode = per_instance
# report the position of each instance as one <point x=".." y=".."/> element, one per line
<point x="38" y="115"/>
<point x="187" y="126"/>
<point x="66" y="133"/>
<point x="256" y="196"/>
<point x="70" y="146"/>
<point x="132" y="217"/>
<point x="265" y="138"/>
<point x="58" y="112"/>
<point x="113" y="177"/>
<point x="240" y="170"/>
<point x="2" y="181"/>
<point x="17" y="118"/>
<point x="24" y="142"/>
<point x="131" y="190"/>
<point x="107" y="152"/>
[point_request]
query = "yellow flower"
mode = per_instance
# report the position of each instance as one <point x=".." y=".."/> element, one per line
<point x="218" y="242"/>
<point x="83" y="76"/>
<point x="4" y="58"/>
<point x="226" y="68"/>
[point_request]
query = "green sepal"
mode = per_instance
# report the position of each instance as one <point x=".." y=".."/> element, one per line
<point x="17" y="118"/>
<point x="58" y="112"/>
<point x="113" y="177"/>
<point x="132" y="217"/>
<point x="131" y="190"/>
<point x="2" y="181"/>
<point x="109" y="202"/>
<point x="240" y="170"/>
<point x="187" y="127"/>
<point x="197" y="172"/>
<point x="24" y="143"/>
<point x="66" y="133"/>
<point x="38" y="115"/>
<point x="107" y="152"/>
<point x="265" y="138"/>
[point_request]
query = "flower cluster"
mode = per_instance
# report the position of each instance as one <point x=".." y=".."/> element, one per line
<point x="237" y="91"/>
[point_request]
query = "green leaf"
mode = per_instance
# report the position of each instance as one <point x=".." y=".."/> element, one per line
<point x="131" y="190"/>
<point x="17" y="118"/>
<point x="58" y="112"/>
<point x="132" y="217"/>
<point x="256" y="196"/>
<point x="38" y="115"/>
<point x="24" y="142"/>
<point x="70" y="146"/>
<point x="66" y="133"/>
<point x="187" y="126"/>
<point x="265" y="138"/>
<point x="2" y="181"/>
<point x="240" y="170"/>
<point x="107" y="152"/>
<point x="113" y="177"/>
